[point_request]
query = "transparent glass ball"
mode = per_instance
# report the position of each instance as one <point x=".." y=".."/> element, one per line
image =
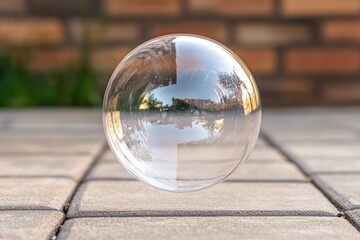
<point x="181" y="112"/>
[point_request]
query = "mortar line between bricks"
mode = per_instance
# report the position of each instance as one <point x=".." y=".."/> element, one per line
<point x="80" y="181"/>
<point x="289" y="158"/>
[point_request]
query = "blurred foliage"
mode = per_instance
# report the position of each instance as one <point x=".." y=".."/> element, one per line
<point x="74" y="85"/>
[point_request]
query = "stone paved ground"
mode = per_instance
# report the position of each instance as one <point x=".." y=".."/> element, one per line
<point x="59" y="180"/>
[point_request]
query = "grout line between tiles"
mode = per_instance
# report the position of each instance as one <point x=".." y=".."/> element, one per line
<point x="303" y="170"/>
<point x="93" y="163"/>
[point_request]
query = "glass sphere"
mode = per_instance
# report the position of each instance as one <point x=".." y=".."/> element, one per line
<point x="181" y="112"/>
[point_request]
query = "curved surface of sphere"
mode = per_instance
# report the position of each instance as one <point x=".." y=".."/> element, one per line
<point x="181" y="112"/>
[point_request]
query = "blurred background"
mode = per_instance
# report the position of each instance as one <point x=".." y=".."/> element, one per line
<point x="62" y="53"/>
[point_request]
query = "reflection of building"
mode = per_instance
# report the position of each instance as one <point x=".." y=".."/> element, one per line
<point x="158" y="63"/>
<point x="150" y="68"/>
<point x="197" y="104"/>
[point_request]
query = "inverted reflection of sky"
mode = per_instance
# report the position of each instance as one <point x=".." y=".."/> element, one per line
<point x="199" y="88"/>
<point x="186" y="135"/>
<point x="197" y="72"/>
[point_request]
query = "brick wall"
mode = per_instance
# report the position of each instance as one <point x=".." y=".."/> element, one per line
<point x="301" y="52"/>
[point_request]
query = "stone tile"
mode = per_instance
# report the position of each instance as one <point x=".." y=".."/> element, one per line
<point x="310" y="132"/>
<point x="330" y="165"/>
<point x="261" y="142"/>
<point x="108" y="156"/>
<point x="330" y="116"/>
<point x="72" y="166"/>
<point x="276" y="171"/>
<point x="57" y="116"/>
<point x="280" y="228"/>
<point x="249" y="171"/>
<point x="35" y="193"/>
<point x="323" y="150"/>
<point x="90" y="127"/>
<point x="29" y="225"/>
<point x="109" y="170"/>
<point x="32" y="147"/>
<point x="266" y="154"/>
<point x="43" y="135"/>
<point x="342" y="189"/>
<point x="49" y="124"/>
<point x="354" y="217"/>
<point x="130" y="198"/>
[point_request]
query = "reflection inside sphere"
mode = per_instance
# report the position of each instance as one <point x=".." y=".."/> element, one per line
<point x="181" y="112"/>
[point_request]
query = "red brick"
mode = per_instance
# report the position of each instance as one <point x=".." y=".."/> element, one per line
<point x="341" y="30"/>
<point x="31" y="31"/>
<point x="109" y="58"/>
<point x="105" y="32"/>
<point x="12" y="6"/>
<point x="345" y="92"/>
<point x="271" y="34"/>
<point x="322" y="61"/>
<point x="65" y="8"/>
<point x="216" y="31"/>
<point x="44" y="60"/>
<point x="286" y="91"/>
<point x="259" y="61"/>
<point x="304" y="8"/>
<point x="232" y="8"/>
<point x="143" y="8"/>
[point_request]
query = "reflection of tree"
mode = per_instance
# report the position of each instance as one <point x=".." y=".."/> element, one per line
<point x="239" y="94"/>
<point x="150" y="102"/>
<point x="132" y="131"/>
<point x="231" y="84"/>
<point x="179" y="104"/>
<point x="135" y="100"/>
<point x="229" y="81"/>
<point x="128" y="101"/>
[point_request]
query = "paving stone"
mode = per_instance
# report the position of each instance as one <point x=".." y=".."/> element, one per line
<point x="72" y="166"/>
<point x="53" y="116"/>
<point x="342" y="189"/>
<point x="355" y="125"/>
<point x="29" y="225"/>
<point x="277" y="171"/>
<point x="354" y="217"/>
<point x="261" y="142"/>
<point x="35" y="193"/>
<point x="266" y="154"/>
<point x="108" y="156"/>
<point x="54" y="125"/>
<point x="71" y="136"/>
<point x="43" y="151"/>
<point x="330" y="165"/>
<point x="91" y="127"/>
<point x="130" y="198"/>
<point x="109" y="170"/>
<point x="50" y="147"/>
<point x="261" y="228"/>
<point x="249" y="171"/>
<point x="77" y="131"/>
<point x="311" y="116"/>
<point x="323" y="150"/>
<point x="310" y="132"/>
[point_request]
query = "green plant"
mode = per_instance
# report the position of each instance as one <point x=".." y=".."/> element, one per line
<point x="74" y="85"/>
